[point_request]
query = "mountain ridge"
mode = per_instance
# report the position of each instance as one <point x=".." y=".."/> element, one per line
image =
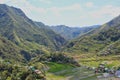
<point x="70" y="33"/>
<point x="24" y="33"/>
<point x="97" y="39"/>
<point x="23" y="25"/>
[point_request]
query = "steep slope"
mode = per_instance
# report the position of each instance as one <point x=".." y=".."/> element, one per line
<point x="98" y="40"/>
<point x="17" y="27"/>
<point x="55" y="38"/>
<point x="72" y="32"/>
<point x="9" y="50"/>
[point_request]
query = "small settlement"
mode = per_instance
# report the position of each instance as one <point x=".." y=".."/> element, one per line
<point x="108" y="72"/>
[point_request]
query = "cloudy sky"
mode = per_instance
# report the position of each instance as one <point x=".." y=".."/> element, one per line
<point x="68" y="12"/>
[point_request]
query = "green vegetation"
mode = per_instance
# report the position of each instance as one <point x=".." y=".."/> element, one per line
<point x="9" y="50"/>
<point x="26" y="36"/>
<point x="70" y="33"/>
<point x="100" y="42"/>
<point x="18" y="71"/>
<point x="31" y="50"/>
<point x="90" y="78"/>
<point x="97" y="40"/>
<point x="56" y="67"/>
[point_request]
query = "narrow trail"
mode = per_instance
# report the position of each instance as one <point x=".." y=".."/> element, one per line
<point x="70" y="77"/>
<point x="86" y="76"/>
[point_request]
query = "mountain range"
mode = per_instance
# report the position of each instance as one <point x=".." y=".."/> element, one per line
<point x="27" y="35"/>
<point x="31" y="50"/>
<point x="103" y="40"/>
<point x="25" y="38"/>
<point x="70" y="33"/>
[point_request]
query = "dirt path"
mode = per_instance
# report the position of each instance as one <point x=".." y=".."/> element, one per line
<point x="79" y="78"/>
<point x="69" y="77"/>
<point x="87" y="76"/>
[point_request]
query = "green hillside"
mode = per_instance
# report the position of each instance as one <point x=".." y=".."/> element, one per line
<point x="16" y="26"/>
<point x="9" y="50"/>
<point x="31" y="50"/>
<point x="97" y="40"/>
<point x="70" y="33"/>
<point x="21" y="42"/>
<point x="30" y="38"/>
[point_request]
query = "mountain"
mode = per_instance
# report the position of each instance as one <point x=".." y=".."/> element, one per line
<point x="103" y="40"/>
<point x="31" y="50"/>
<point x="72" y="32"/>
<point x="26" y="36"/>
<point x="9" y="50"/>
<point x="57" y="39"/>
<point x="16" y="26"/>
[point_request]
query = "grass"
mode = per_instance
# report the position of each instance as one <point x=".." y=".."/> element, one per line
<point x="93" y="61"/>
<point x="109" y="64"/>
<point x="51" y="76"/>
<point x="64" y="71"/>
<point x="90" y="78"/>
<point x="58" y="71"/>
<point x="81" y="73"/>
<point x="56" y="67"/>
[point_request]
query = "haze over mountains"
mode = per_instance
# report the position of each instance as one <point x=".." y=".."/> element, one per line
<point x="72" y="32"/>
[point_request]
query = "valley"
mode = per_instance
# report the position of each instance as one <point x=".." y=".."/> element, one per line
<point x="31" y="50"/>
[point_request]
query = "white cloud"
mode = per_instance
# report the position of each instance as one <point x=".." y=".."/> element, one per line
<point x="89" y="4"/>
<point x="3" y="1"/>
<point x="59" y="10"/>
<point x="66" y="8"/>
<point x="72" y="7"/>
<point x="29" y="8"/>
<point x="24" y="5"/>
<point x="45" y="1"/>
<point x="108" y="10"/>
<point x="74" y="14"/>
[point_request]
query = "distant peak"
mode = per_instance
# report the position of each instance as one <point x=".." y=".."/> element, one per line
<point x="3" y="5"/>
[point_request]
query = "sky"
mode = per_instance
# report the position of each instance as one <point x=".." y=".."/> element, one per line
<point x="74" y="13"/>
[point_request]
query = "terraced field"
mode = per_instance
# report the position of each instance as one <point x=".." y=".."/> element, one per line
<point x="69" y="72"/>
